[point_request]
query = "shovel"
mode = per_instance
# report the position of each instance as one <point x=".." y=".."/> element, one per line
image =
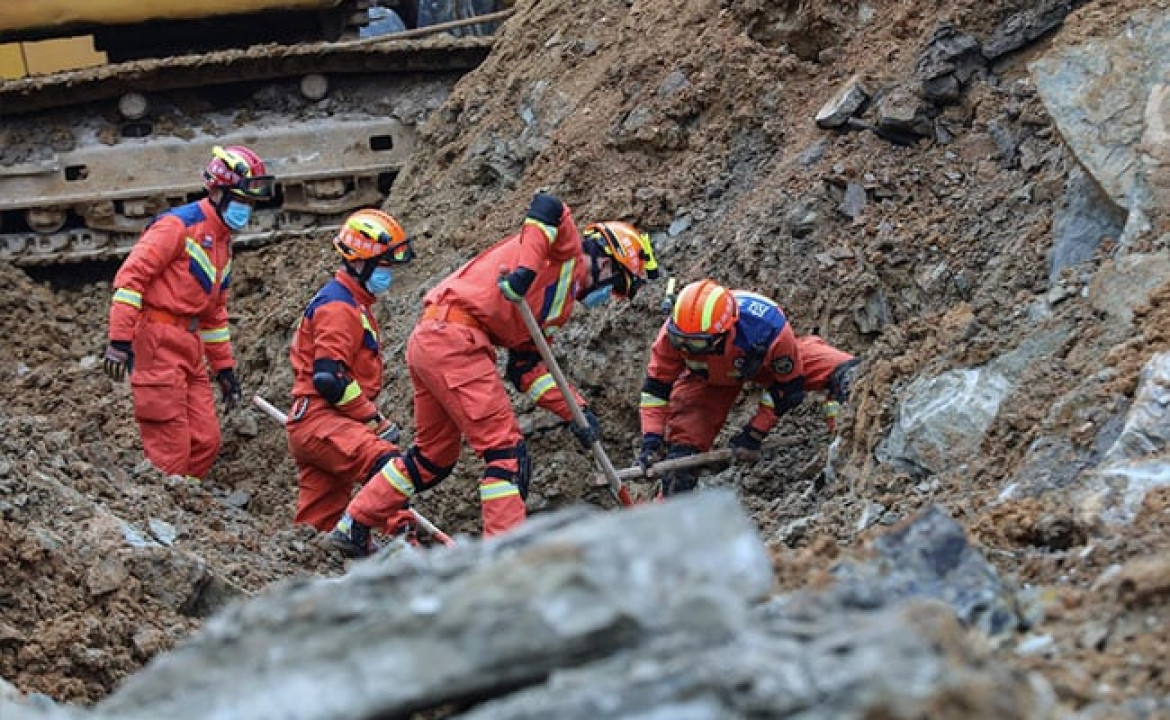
<point x="279" y="416"/>
<point x="615" y="484"/>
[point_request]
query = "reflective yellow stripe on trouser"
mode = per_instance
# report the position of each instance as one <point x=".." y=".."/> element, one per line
<point x="497" y="490"/>
<point x="540" y="386"/>
<point x="391" y="474"/>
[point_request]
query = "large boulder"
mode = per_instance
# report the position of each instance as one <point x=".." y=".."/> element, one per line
<point x="657" y="612"/>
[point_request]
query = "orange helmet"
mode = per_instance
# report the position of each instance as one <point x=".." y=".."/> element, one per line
<point x="373" y="235"/>
<point x="240" y="172"/>
<point x="630" y="250"/>
<point x="703" y="314"/>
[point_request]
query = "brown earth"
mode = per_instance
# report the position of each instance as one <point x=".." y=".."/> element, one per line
<point x="664" y="114"/>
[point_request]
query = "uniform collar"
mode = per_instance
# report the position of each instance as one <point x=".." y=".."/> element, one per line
<point x="213" y="217"/>
<point x="365" y="297"/>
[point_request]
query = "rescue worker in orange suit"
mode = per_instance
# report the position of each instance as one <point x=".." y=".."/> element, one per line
<point x="169" y="314"/>
<point x="714" y="343"/>
<point x="451" y="354"/>
<point x="336" y="433"/>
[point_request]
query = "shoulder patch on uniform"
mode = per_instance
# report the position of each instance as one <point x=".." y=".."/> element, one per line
<point x="782" y="365"/>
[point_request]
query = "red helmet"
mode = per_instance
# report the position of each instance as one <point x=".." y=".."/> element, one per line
<point x="240" y="172"/>
<point x="373" y="235"/>
<point x="630" y="250"/>
<point x="703" y="314"/>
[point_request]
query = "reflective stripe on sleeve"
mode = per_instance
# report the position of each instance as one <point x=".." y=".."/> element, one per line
<point x="549" y="231"/>
<point x="215" y="335"/>
<point x="129" y="297"/>
<point x="352" y="392"/>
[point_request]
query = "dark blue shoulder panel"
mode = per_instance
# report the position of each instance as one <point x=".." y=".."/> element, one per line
<point x="332" y="292"/>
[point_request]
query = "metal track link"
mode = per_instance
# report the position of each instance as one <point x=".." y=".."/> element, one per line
<point x="324" y="169"/>
<point x="439" y="54"/>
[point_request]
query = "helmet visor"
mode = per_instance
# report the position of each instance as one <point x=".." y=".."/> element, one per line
<point x="695" y="343"/>
<point x="398" y="254"/>
<point x="625" y="283"/>
<point x="259" y="188"/>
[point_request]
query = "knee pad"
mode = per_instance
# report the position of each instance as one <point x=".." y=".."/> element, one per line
<point x="523" y="474"/>
<point x="381" y="463"/>
<point x="414" y="460"/>
<point x="524" y="469"/>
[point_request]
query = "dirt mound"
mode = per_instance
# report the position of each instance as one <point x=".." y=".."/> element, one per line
<point x="694" y="121"/>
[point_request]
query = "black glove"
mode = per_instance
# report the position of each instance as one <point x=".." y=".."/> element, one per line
<point x="746" y="445"/>
<point x="385" y="429"/>
<point x="841" y="381"/>
<point x="515" y="284"/>
<point x="653" y="447"/>
<point x="118" y="361"/>
<point x="229" y="388"/>
<point x="587" y="435"/>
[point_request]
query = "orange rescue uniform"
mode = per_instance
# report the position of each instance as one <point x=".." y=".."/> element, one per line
<point x="451" y="354"/>
<point x="821" y="360"/>
<point x="170" y="303"/>
<point x="333" y="446"/>
<point x="687" y="397"/>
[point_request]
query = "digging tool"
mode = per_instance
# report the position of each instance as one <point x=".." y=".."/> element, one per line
<point x="668" y="297"/>
<point x="281" y="417"/>
<point x="615" y="484"/>
<point x="711" y="457"/>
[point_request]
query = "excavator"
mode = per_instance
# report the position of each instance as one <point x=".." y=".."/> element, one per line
<point x="109" y="109"/>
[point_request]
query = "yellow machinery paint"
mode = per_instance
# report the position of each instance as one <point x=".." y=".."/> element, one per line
<point x="28" y="20"/>
<point x="48" y="56"/>
<point x="19" y="15"/>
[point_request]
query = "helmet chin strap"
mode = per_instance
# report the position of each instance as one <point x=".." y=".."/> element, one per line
<point x="594" y="251"/>
<point x="220" y="203"/>
<point x="363" y="275"/>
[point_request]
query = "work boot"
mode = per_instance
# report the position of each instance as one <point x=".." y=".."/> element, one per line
<point x="352" y="538"/>
<point x="402" y="525"/>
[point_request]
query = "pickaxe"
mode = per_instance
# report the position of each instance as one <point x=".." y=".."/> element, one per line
<point x="612" y="479"/>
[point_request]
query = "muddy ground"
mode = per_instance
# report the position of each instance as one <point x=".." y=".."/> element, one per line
<point x="694" y="121"/>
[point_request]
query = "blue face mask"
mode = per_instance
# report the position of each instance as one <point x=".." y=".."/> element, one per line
<point x="237" y="214"/>
<point x="597" y="297"/>
<point x="380" y="280"/>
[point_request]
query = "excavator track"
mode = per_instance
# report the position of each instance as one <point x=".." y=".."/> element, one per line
<point x="436" y="54"/>
<point x="87" y="157"/>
